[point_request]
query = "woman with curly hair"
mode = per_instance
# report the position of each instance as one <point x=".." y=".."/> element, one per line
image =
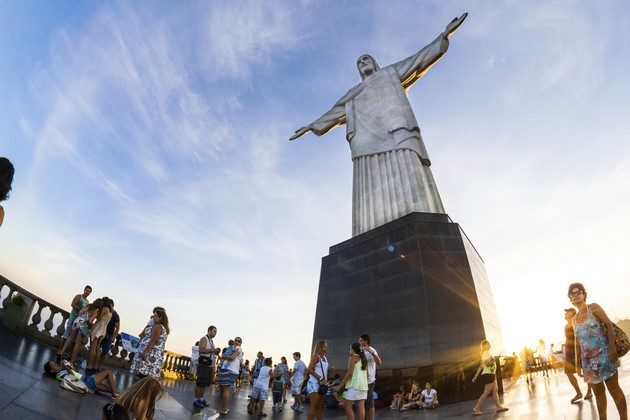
<point x="6" y="179"/>
<point x="595" y="357"/>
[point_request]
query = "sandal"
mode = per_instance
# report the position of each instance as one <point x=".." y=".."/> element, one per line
<point x="577" y="398"/>
<point x="476" y="412"/>
<point x="499" y="409"/>
<point x="588" y="396"/>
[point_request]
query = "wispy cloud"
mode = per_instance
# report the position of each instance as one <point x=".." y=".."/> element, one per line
<point x="163" y="158"/>
<point x="233" y="44"/>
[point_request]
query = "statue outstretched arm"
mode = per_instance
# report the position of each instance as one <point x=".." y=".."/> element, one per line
<point x="331" y="119"/>
<point x="454" y="25"/>
<point x="300" y="132"/>
<point x="413" y="68"/>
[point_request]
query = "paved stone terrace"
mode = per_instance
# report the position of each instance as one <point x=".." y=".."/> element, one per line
<point x="27" y="394"/>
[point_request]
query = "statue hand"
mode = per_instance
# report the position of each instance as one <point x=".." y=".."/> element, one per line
<point x="299" y="133"/>
<point x="455" y="23"/>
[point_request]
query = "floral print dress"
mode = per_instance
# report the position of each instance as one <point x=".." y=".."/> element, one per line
<point x="152" y="365"/>
<point x="596" y="364"/>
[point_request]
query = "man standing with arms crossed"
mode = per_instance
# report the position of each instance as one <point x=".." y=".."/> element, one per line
<point x="372" y="361"/>
<point x="205" y="367"/>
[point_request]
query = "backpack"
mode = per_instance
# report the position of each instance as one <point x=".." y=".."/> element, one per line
<point x="74" y="384"/>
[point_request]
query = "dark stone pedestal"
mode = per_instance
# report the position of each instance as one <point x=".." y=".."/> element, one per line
<point x="419" y="288"/>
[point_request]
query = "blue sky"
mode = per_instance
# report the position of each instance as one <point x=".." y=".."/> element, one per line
<point x="152" y="158"/>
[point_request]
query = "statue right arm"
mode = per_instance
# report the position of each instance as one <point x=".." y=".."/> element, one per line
<point x="332" y="118"/>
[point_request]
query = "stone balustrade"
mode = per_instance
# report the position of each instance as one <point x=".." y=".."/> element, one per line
<point x="45" y="322"/>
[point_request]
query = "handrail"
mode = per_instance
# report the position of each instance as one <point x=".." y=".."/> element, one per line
<point x="35" y="310"/>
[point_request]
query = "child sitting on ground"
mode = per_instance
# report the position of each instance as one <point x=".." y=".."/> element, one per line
<point x="414" y="398"/>
<point x="399" y="399"/>
<point x="93" y="382"/>
<point x="333" y="398"/>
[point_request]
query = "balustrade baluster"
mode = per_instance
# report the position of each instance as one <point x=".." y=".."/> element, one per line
<point x="48" y="325"/>
<point x="35" y="319"/>
<point x="62" y="327"/>
<point x="51" y="335"/>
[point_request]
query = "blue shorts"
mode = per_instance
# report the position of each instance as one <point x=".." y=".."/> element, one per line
<point x="312" y="386"/>
<point x="296" y="386"/>
<point x="90" y="381"/>
<point x="259" y="394"/>
<point x="68" y="330"/>
<point x="227" y="378"/>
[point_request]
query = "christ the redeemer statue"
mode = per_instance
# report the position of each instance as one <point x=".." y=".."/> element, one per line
<point x="392" y="175"/>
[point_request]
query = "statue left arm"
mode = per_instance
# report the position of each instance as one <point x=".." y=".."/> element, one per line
<point x="413" y="68"/>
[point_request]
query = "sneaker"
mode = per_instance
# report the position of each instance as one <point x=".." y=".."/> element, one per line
<point x="300" y="408"/>
<point x="198" y="403"/>
<point x="393" y="407"/>
<point x="205" y="403"/>
<point x="280" y="408"/>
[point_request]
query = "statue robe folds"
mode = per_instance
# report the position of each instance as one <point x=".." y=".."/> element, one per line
<point x="392" y="176"/>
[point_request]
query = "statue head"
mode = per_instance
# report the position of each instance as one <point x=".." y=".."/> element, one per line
<point x="367" y="65"/>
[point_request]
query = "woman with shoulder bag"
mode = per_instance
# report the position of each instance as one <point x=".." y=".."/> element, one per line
<point x="596" y="359"/>
<point x="317" y="381"/>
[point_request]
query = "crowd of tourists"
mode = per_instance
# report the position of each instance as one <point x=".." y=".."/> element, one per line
<point x="591" y="351"/>
<point x="356" y="388"/>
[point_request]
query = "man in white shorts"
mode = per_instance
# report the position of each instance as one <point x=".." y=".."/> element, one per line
<point x="297" y="379"/>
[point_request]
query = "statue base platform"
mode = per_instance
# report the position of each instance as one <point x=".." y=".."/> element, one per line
<point x="419" y="288"/>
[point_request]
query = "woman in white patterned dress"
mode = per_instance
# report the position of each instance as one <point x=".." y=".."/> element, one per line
<point x="149" y="358"/>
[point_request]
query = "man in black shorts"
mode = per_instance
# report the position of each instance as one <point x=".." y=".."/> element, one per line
<point x="372" y="360"/>
<point x="205" y="367"/>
